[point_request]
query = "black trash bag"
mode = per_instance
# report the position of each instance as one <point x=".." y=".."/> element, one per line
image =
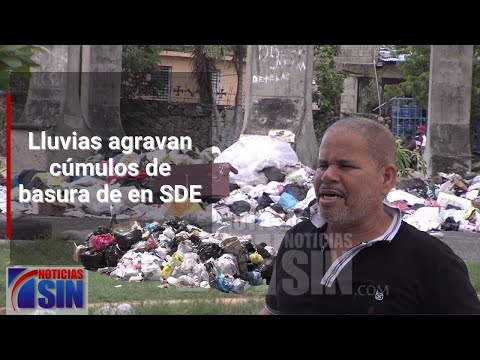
<point x="248" y="247"/>
<point x="102" y="230"/>
<point x="302" y="213"/>
<point x="195" y="239"/>
<point x="209" y="250"/>
<point x="177" y="226"/>
<point x="172" y="245"/>
<point x="450" y="224"/>
<point x="36" y="183"/>
<point x="158" y="229"/>
<point x="92" y="260"/>
<point x="127" y="239"/>
<point x="274" y="174"/>
<point x="26" y="176"/>
<point x="239" y="207"/>
<point x="263" y="201"/>
<point x="250" y="267"/>
<point x="261" y="250"/>
<point x="299" y="192"/>
<point x="233" y="187"/>
<point x="278" y="208"/>
<point x="113" y="254"/>
<point x="266" y="269"/>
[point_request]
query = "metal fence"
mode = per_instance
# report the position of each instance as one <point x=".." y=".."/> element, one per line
<point x="407" y="114"/>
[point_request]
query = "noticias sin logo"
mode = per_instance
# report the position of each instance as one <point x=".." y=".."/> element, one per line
<point x="47" y="290"/>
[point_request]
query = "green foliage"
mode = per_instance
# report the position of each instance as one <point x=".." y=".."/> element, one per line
<point x="329" y="86"/>
<point x="392" y="90"/>
<point x="16" y="59"/>
<point x="216" y="52"/>
<point x="404" y="159"/>
<point x="328" y="78"/>
<point x="138" y="63"/>
<point x="416" y="71"/>
<point x="368" y="97"/>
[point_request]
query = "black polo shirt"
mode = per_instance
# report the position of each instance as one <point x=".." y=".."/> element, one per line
<point x="412" y="273"/>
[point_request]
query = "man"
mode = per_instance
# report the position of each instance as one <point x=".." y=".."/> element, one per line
<point x="409" y="142"/>
<point x="355" y="255"/>
<point x="421" y="139"/>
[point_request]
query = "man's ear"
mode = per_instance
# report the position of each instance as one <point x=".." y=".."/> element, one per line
<point x="389" y="177"/>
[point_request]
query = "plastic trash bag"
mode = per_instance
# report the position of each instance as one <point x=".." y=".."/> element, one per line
<point x="113" y="254"/>
<point x="239" y="207"/>
<point x="126" y="240"/>
<point x="287" y="200"/>
<point x="99" y="242"/>
<point x="238" y="286"/>
<point x="92" y="260"/>
<point x="274" y="174"/>
<point x="266" y="269"/>
<point x="209" y="250"/>
<point x="255" y="278"/>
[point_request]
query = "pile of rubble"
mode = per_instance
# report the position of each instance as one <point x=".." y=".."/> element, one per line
<point x="177" y="254"/>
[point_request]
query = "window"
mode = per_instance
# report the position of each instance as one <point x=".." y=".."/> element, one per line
<point x="161" y="84"/>
<point x="216" y="84"/>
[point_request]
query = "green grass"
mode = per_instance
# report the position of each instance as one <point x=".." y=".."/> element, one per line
<point x="4" y="262"/>
<point x="474" y="273"/>
<point x="101" y="288"/>
<point x="58" y="251"/>
<point x="147" y="297"/>
<point x="198" y="307"/>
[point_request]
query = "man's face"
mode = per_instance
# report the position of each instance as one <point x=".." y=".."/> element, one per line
<point x="347" y="181"/>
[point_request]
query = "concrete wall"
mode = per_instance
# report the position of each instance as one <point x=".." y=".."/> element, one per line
<point x="184" y="87"/>
<point x="361" y="57"/>
<point x="349" y="95"/>
<point x="279" y="95"/>
<point x="358" y="54"/>
<point x="448" y="133"/>
<point x="174" y="119"/>
<point x="22" y="158"/>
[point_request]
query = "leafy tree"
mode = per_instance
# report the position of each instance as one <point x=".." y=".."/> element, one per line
<point x="16" y="59"/>
<point x="328" y="78"/>
<point x="328" y="86"/>
<point x="416" y="71"/>
<point x="205" y="58"/>
<point x="139" y="62"/>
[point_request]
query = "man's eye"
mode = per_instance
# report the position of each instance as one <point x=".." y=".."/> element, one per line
<point x="322" y="166"/>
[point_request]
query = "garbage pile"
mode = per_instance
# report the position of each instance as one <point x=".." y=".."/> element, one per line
<point x="177" y="254"/>
<point x="448" y="202"/>
<point x="271" y="187"/>
<point x="42" y="179"/>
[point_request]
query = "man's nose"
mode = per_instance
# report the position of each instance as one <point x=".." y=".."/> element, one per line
<point x="330" y="174"/>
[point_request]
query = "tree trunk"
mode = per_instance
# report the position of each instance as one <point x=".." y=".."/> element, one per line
<point x="238" y="116"/>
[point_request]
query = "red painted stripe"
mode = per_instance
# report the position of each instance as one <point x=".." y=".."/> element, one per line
<point x="8" y="227"/>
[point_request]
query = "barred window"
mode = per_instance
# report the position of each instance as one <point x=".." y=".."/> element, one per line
<point x="216" y="84"/>
<point x="161" y="84"/>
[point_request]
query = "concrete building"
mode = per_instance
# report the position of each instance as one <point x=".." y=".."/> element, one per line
<point x="176" y="68"/>
<point x="366" y="65"/>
